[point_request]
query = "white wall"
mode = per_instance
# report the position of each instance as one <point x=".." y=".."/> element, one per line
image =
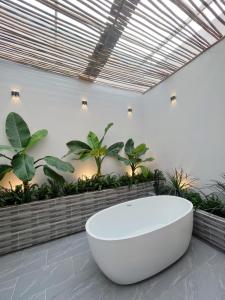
<point x="54" y="102"/>
<point x="191" y="134"/>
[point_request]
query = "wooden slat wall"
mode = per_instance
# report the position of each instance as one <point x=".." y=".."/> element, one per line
<point x="129" y="44"/>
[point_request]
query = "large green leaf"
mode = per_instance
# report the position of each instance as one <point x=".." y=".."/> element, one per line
<point x="59" y="164"/>
<point x="17" y="130"/>
<point x="148" y="159"/>
<point x="23" y="166"/>
<point x="76" y="147"/>
<point x="102" y="151"/>
<point x="129" y="146"/>
<point x="36" y="137"/>
<point x="53" y="175"/>
<point x="4" y="169"/>
<point x="140" y="149"/>
<point x="126" y="161"/>
<point x="105" y="131"/>
<point x="93" y="140"/>
<point x="114" y="149"/>
<point x="6" y="148"/>
<point x="86" y="154"/>
<point x="144" y="170"/>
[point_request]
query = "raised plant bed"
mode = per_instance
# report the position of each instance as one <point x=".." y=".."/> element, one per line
<point x="41" y="221"/>
<point x="210" y="228"/>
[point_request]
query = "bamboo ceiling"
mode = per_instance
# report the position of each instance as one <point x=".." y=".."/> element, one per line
<point x="129" y="44"/>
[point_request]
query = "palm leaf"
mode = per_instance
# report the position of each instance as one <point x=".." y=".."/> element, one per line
<point x="129" y="146"/>
<point x="114" y="149"/>
<point x="59" y="164"/>
<point x="93" y="140"/>
<point x="53" y="175"/>
<point x="17" y="130"/>
<point x="36" y="137"/>
<point x="4" y="169"/>
<point x="23" y="166"/>
<point x="77" y="147"/>
<point x="105" y="131"/>
<point x="10" y="148"/>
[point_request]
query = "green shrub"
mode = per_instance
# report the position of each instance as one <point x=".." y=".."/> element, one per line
<point x="52" y="189"/>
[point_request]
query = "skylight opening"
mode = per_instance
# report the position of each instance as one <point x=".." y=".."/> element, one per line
<point x="104" y="41"/>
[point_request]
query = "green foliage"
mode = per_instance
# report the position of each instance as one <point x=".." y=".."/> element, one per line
<point x="53" y="188"/>
<point x="214" y="205"/>
<point x="94" y="149"/>
<point x="219" y="186"/>
<point x="21" y="163"/>
<point x="133" y="156"/>
<point x="179" y="182"/>
<point x="159" y="181"/>
<point x="17" y="195"/>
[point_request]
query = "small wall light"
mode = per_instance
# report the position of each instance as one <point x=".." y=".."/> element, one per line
<point x="173" y="99"/>
<point x="15" y="97"/>
<point x="130" y="112"/>
<point x="84" y="106"/>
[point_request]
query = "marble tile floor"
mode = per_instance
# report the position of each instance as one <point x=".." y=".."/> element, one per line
<point x="64" y="270"/>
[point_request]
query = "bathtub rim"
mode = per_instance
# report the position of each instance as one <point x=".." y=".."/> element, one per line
<point x="128" y="237"/>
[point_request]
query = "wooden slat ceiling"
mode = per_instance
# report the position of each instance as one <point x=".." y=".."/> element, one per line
<point x="129" y="44"/>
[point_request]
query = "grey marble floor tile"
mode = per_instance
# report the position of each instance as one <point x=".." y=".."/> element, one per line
<point x="68" y="249"/>
<point x="39" y="296"/>
<point x="206" y="283"/>
<point x="64" y="269"/>
<point x="6" y="294"/>
<point x="12" y="269"/>
<point x="47" y="276"/>
<point x="196" y="256"/>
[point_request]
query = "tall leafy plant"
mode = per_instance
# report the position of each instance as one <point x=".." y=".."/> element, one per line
<point x="180" y="182"/>
<point x="94" y="149"/>
<point x="134" y="158"/>
<point x="20" y="162"/>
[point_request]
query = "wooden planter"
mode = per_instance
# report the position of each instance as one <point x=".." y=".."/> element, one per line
<point x="41" y="221"/>
<point x="210" y="228"/>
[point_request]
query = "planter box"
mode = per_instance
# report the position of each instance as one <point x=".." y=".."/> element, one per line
<point x="210" y="228"/>
<point x="41" y="221"/>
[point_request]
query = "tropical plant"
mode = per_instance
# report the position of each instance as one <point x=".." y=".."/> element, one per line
<point x="159" y="181"/>
<point x="51" y="189"/>
<point x="179" y="182"/>
<point x="21" y="163"/>
<point x="134" y="157"/>
<point x="219" y="186"/>
<point x="94" y="149"/>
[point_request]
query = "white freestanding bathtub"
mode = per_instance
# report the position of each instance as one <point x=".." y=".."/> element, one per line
<point x="139" y="238"/>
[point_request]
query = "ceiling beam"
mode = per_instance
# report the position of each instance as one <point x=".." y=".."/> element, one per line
<point x="118" y="19"/>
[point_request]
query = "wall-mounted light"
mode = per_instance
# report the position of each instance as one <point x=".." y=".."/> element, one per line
<point x="130" y="112"/>
<point x="84" y="105"/>
<point x="15" y="97"/>
<point x="173" y="99"/>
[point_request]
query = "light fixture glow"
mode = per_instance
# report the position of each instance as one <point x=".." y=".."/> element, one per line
<point x="173" y="99"/>
<point x="15" y="97"/>
<point x="84" y="105"/>
<point x="130" y="112"/>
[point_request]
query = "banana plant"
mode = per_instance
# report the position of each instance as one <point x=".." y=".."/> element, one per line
<point x="133" y="157"/>
<point x="94" y="149"/>
<point x="20" y="162"/>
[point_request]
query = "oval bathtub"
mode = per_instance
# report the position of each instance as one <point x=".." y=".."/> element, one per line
<point x="139" y="238"/>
